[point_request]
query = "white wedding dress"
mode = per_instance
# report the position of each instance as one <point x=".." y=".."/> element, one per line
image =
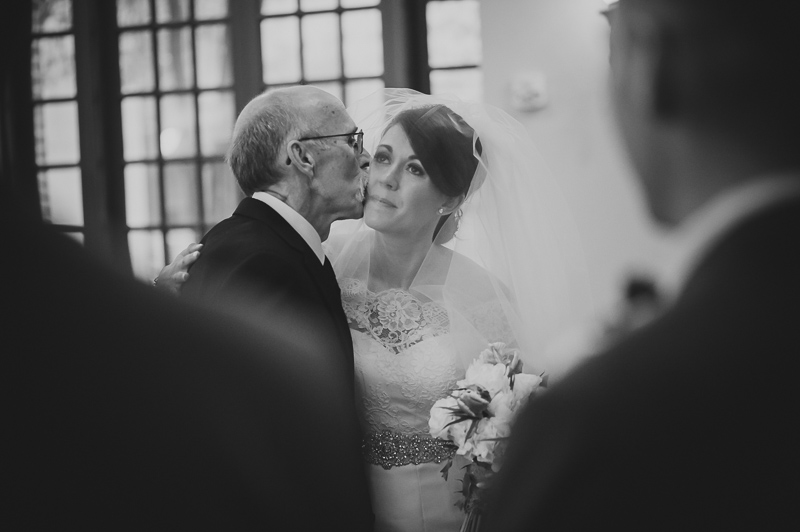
<point x="404" y="362"/>
<point x="412" y="346"/>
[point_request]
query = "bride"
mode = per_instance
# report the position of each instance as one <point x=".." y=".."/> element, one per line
<point x="456" y="224"/>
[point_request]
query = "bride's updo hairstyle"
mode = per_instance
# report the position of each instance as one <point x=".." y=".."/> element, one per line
<point x="446" y="146"/>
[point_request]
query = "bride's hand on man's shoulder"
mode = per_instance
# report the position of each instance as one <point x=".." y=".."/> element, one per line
<point x="173" y="275"/>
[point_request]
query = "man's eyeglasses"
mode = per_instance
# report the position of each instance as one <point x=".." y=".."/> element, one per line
<point x="356" y="140"/>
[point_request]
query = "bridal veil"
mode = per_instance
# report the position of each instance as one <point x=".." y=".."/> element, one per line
<point x="517" y="265"/>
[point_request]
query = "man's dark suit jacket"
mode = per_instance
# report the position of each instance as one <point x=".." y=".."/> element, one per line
<point x="689" y="424"/>
<point x="254" y="262"/>
<point x="130" y="410"/>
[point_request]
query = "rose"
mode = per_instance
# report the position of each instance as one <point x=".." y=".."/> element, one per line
<point x="498" y="353"/>
<point x="441" y="423"/>
<point x="473" y="400"/>
<point x="502" y="405"/>
<point x="525" y="385"/>
<point x="484" y="443"/>
<point x="441" y="416"/>
<point x="490" y="376"/>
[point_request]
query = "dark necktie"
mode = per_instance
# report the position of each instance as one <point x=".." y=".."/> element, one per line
<point x="331" y="280"/>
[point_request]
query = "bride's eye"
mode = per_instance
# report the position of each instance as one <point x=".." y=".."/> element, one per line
<point x="416" y="169"/>
<point x="381" y="157"/>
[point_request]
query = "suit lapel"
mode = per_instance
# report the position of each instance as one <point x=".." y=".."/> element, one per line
<point x="258" y="210"/>
<point x="323" y="276"/>
<point x="327" y="284"/>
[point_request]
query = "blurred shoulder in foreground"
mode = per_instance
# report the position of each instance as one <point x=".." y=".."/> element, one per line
<point x="131" y="410"/>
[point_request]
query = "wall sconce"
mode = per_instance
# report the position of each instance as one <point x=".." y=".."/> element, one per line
<point x="528" y="91"/>
<point x="611" y="5"/>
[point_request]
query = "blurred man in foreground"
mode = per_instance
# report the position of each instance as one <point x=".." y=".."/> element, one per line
<point x="130" y="410"/>
<point x="690" y="423"/>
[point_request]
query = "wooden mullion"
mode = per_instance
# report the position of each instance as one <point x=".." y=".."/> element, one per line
<point x="100" y="131"/>
<point x="405" y="44"/>
<point x="245" y="35"/>
<point x="18" y="176"/>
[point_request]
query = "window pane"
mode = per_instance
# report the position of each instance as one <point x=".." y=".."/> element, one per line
<point x="211" y="9"/>
<point x="136" y="62"/>
<point x="180" y="193"/>
<point x="56" y="127"/>
<point x="360" y="3"/>
<point x="177" y="137"/>
<point x="318" y="5"/>
<point x="466" y="84"/>
<point x="142" y="196"/>
<point x="61" y="196"/>
<point x="77" y="237"/>
<point x="53" y="67"/>
<point x="51" y="15"/>
<point x="221" y="193"/>
<point x="213" y="59"/>
<point x="278" y="7"/>
<point x="280" y="50"/>
<point x="357" y="90"/>
<point x="139" y="132"/>
<point x="334" y="87"/>
<point x="172" y="10"/>
<point x="175" y="59"/>
<point x="362" y="43"/>
<point x="454" y="33"/>
<point x="321" y="44"/>
<point x="178" y="239"/>
<point x="147" y="253"/>
<point x="217" y="115"/>
<point x="133" y="12"/>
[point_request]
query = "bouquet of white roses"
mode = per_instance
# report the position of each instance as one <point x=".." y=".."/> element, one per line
<point x="477" y="417"/>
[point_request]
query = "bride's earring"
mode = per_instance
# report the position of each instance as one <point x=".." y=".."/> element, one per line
<point x="458" y="219"/>
<point x="441" y="210"/>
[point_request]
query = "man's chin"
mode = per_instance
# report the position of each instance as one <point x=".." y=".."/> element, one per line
<point x="355" y="213"/>
<point x="358" y="212"/>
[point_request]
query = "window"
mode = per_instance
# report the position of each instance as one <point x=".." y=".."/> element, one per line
<point x="336" y="45"/>
<point x="178" y="110"/>
<point x="142" y="174"/>
<point x="454" y="48"/>
<point x="55" y="112"/>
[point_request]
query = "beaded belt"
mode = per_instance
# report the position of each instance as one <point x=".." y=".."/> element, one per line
<point x="391" y="449"/>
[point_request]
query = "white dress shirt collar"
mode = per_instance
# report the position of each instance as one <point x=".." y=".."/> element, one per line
<point x="697" y="234"/>
<point x="298" y="223"/>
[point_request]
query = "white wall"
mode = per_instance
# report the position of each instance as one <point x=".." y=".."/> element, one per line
<point x="567" y="41"/>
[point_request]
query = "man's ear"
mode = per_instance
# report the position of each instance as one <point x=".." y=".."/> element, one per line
<point x="301" y="157"/>
<point x="668" y="96"/>
<point x="656" y="64"/>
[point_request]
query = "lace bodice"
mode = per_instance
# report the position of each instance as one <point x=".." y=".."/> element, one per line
<point x="404" y="357"/>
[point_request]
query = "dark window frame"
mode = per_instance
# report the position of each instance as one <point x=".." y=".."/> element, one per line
<point x="99" y="97"/>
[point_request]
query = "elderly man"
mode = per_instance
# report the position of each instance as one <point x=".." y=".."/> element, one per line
<point x="137" y="411"/>
<point x="689" y="424"/>
<point x="298" y="156"/>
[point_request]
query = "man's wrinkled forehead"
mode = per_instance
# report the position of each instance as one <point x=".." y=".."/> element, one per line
<point x="329" y="115"/>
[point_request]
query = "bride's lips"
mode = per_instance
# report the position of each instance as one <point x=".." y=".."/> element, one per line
<point x="382" y="200"/>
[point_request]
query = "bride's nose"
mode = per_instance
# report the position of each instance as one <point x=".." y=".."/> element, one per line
<point x="389" y="178"/>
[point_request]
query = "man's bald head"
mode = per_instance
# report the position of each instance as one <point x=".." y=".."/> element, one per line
<point x="257" y="150"/>
<point x="731" y="62"/>
<point x="705" y="93"/>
